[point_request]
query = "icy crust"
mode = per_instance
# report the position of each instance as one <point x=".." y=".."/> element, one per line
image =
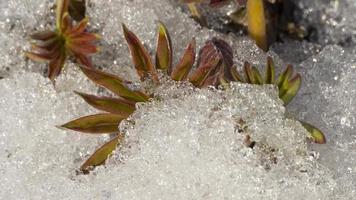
<point x="187" y="144"/>
<point x="193" y="146"/>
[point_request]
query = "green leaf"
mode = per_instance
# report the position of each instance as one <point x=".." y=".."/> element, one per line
<point x="181" y="71"/>
<point x="285" y="76"/>
<point x="236" y="75"/>
<point x="257" y="76"/>
<point x="270" y="71"/>
<point x="140" y="56"/>
<point x="290" y="89"/>
<point x="248" y="73"/>
<point x="316" y="134"/>
<point x="100" y="155"/>
<point x="114" y="84"/>
<point x="257" y="22"/>
<point x="96" y="124"/>
<point x="77" y="9"/>
<point x="113" y="105"/>
<point x="164" y="49"/>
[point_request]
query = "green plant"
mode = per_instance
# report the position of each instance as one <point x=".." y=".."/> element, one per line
<point x="214" y="67"/>
<point x="68" y="39"/>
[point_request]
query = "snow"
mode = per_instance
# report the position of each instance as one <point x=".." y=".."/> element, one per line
<point x="185" y="145"/>
<point x="199" y="136"/>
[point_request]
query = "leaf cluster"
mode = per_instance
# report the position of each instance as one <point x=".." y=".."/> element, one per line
<point x="69" y="39"/>
<point x="214" y="66"/>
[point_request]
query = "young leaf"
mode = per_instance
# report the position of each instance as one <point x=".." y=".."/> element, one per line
<point x="257" y="76"/>
<point x="114" y="84"/>
<point x="285" y="76"/>
<point x="186" y="63"/>
<point x="219" y="53"/>
<point x="113" y="105"/>
<point x="270" y="71"/>
<point x="164" y="49"/>
<point x="99" y="157"/>
<point x="140" y="56"/>
<point x="257" y="22"/>
<point x="67" y="40"/>
<point x="289" y="89"/>
<point x="316" y="134"/>
<point x="201" y="74"/>
<point x="96" y="124"/>
<point x="236" y="75"/>
<point x="56" y="65"/>
<point x="248" y="73"/>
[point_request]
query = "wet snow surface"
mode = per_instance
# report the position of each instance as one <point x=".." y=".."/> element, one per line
<point x="190" y="143"/>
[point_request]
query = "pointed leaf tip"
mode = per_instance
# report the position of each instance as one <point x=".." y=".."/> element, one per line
<point x="164" y="49"/>
<point x="102" y="154"/>
<point x="290" y="89"/>
<point x="317" y="135"/>
<point x="95" y="124"/>
<point x="113" y="105"/>
<point x="181" y="71"/>
<point x="270" y="71"/>
<point x="140" y="57"/>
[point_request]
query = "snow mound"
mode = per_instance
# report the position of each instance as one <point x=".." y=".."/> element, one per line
<point x="189" y="144"/>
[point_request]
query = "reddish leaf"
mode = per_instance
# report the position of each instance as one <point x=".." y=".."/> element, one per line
<point x="79" y="28"/>
<point x="100" y="155"/>
<point x="56" y="65"/>
<point x="96" y="124"/>
<point x="198" y="77"/>
<point x="186" y="63"/>
<point x="114" y="84"/>
<point x="113" y="105"/>
<point x="214" y="63"/>
<point x="164" y="49"/>
<point x="140" y="56"/>
<point x="83" y="60"/>
<point x="38" y="57"/>
<point x="44" y="35"/>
